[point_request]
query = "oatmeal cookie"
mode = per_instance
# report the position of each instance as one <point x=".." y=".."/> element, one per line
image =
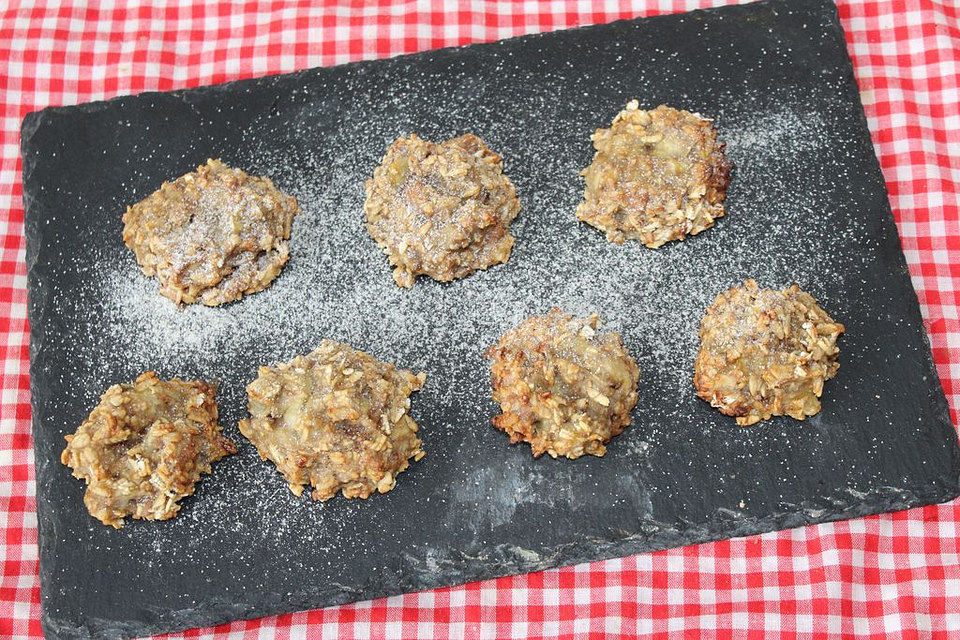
<point x="212" y="235"/>
<point x="562" y="386"/>
<point x="765" y="353"/>
<point x="336" y="419"/>
<point x="657" y="176"/>
<point x="144" y="447"/>
<point x="442" y="210"/>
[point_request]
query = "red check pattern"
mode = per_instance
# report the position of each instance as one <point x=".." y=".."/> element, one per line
<point x="889" y="576"/>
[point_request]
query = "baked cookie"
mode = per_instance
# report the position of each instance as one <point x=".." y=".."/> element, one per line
<point x="336" y="419"/>
<point x="212" y="235"/>
<point x="765" y="353"/>
<point x="562" y="386"/>
<point x="657" y="176"/>
<point x="144" y="447"/>
<point x="441" y="210"/>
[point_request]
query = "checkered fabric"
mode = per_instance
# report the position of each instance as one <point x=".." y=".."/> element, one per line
<point x="895" y="575"/>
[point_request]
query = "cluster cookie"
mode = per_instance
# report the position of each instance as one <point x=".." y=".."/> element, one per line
<point x="765" y="353"/>
<point x="441" y="210"/>
<point x="562" y="386"/>
<point x="212" y="235"/>
<point x="145" y="446"/>
<point x="657" y="176"/>
<point x="336" y="419"/>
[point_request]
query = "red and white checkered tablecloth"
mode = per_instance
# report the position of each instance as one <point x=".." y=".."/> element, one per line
<point x="894" y="575"/>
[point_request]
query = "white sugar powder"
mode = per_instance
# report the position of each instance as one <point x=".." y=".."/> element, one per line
<point x="338" y="285"/>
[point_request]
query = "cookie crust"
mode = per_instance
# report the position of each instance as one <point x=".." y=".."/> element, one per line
<point x="212" y="235"/>
<point x="441" y="210"/>
<point x="657" y="176"/>
<point x="145" y="446"/>
<point x="336" y="419"/>
<point x="562" y="386"/>
<point x="765" y="353"/>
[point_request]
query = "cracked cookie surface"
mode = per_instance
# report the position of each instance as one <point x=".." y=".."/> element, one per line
<point x="212" y="235"/>
<point x="657" y="176"/>
<point x="562" y="386"/>
<point x="145" y="446"/>
<point x="336" y="419"/>
<point x="441" y="210"/>
<point x="765" y="353"/>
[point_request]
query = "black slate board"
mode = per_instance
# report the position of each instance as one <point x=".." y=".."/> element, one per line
<point x="807" y="204"/>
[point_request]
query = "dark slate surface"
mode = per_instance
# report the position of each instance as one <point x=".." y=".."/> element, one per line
<point x="244" y="547"/>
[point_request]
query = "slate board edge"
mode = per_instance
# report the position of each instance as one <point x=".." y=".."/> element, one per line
<point x="216" y="612"/>
<point x="35" y="311"/>
<point x="511" y="562"/>
<point x="33" y="119"/>
<point x="937" y="393"/>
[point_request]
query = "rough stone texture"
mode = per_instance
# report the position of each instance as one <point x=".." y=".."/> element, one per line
<point x="475" y="507"/>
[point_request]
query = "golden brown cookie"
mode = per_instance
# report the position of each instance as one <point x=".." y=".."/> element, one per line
<point x="336" y="419"/>
<point x="212" y="235"/>
<point x="765" y="353"/>
<point x="562" y="386"/>
<point x="657" y="176"/>
<point x="441" y="210"/>
<point x="145" y="446"/>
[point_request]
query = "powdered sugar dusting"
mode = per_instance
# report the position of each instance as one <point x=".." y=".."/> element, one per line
<point x="337" y="285"/>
